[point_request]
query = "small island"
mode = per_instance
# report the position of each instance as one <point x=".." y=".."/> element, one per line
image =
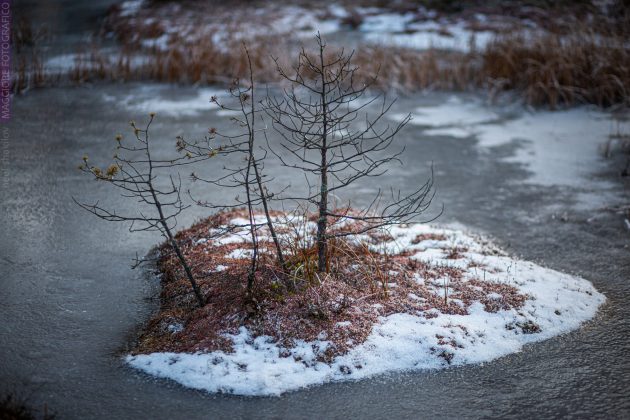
<point x="409" y="298"/>
<point x="258" y="301"/>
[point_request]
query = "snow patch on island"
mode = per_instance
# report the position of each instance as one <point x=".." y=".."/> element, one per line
<point x="557" y="303"/>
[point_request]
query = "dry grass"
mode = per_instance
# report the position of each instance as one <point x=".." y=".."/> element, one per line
<point x="568" y="62"/>
<point x="550" y="69"/>
<point x="207" y="63"/>
<point x="362" y="285"/>
<point x="619" y="142"/>
<point x="409" y="71"/>
<point x="201" y="63"/>
<point x="584" y="67"/>
<point x="28" y="70"/>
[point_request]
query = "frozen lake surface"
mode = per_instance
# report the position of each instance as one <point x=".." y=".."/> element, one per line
<point x="535" y="182"/>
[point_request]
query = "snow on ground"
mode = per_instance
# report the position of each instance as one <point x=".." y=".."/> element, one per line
<point x="421" y="29"/>
<point x="131" y="7"/>
<point x="558" y="303"/>
<point x="249" y="24"/>
<point x="401" y="31"/>
<point x="304" y="23"/>
<point x="169" y="25"/>
<point x="387" y="22"/>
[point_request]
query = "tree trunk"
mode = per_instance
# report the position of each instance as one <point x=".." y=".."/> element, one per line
<point x="252" y="269"/>
<point x="263" y="194"/>
<point x="322" y="242"/>
<point x="182" y="260"/>
<point x="274" y="236"/>
<point x="175" y="246"/>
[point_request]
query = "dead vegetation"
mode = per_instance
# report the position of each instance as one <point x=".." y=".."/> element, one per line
<point x="300" y="304"/>
<point x="583" y="67"/>
<point x="576" y="55"/>
<point x="619" y="143"/>
<point x="29" y="71"/>
<point x="546" y="70"/>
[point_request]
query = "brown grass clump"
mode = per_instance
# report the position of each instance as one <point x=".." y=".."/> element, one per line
<point x="582" y="67"/>
<point x="28" y="70"/>
<point x="340" y="306"/>
<point x="410" y="70"/>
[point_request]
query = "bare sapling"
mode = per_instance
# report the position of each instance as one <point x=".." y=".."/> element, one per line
<point x="247" y="177"/>
<point x="137" y="174"/>
<point x="322" y="134"/>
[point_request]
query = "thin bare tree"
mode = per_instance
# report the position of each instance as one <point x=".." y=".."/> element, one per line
<point x="317" y="117"/>
<point x="135" y="173"/>
<point x="248" y="176"/>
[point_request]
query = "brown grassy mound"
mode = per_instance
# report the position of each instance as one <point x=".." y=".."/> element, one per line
<point x="342" y="306"/>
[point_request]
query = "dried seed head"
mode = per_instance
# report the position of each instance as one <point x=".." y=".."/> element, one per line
<point x="112" y="170"/>
<point x="180" y="144"/>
